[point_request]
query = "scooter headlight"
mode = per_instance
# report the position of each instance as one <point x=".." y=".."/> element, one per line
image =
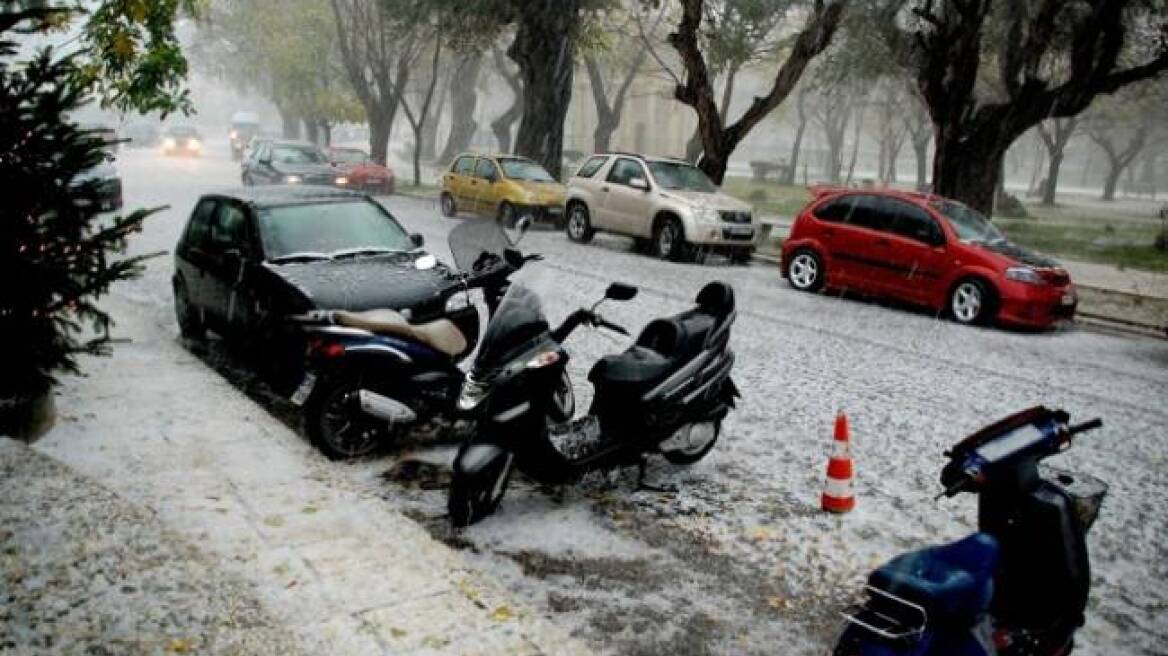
<point x="472" y="394"/>
<point x="457" y="302"/>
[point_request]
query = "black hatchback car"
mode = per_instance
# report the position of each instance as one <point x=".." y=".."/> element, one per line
<point x="250" y="257"/>
<point x="290" y="163"/>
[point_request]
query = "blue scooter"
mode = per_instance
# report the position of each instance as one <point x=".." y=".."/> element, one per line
<point x="1019" y="585"/>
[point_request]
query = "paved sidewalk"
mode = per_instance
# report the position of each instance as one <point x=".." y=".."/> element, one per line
<point x="344" y="571"/>
<point x="83" y="571"/>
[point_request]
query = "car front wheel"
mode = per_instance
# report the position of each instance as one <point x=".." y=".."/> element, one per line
<point x="669" y="240"/>
<point x="971" y="302"/>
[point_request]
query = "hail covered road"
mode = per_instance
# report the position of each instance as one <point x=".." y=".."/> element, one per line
<point x="740" y="560"/>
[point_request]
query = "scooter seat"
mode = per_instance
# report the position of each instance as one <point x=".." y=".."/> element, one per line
<point x="635" y="368"/>
<point x="441" y="335"/>
<point x="953" y="582"/>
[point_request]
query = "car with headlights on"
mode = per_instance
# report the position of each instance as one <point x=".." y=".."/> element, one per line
<point x="282" y="162"/>
<point x="506" y="187"/>
<point x="363" y="173"/>
<point x="925" y="250"/>
<point x="668" y="206"/>
<point x="250" y="257"/>
<point x="182" y="140"/>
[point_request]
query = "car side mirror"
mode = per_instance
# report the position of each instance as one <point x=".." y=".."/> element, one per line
<point x="639" y="183"/>
<point x="619" y="291"/>
<point x="417" y="240"/>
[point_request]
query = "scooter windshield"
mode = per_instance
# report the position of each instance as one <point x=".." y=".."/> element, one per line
<point x="478" y="247"/>
<point x="518" y="321"/>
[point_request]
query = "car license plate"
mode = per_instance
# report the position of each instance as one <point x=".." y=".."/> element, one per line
<point x="1068" y="299"/>
<point x="740" y="230"/>
<point x="375" y="181"/>
<point x="301" y="394"/>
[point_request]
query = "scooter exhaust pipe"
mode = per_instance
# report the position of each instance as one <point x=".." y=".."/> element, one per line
<point x="385" y="408"/>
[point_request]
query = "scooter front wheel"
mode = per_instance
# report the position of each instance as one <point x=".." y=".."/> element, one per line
<point x="475" y="496"/>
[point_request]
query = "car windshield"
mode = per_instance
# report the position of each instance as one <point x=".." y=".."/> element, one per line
<point x="681" y="176"/>
<point x="348" y="156"/>
<point x="286" y="154"/>
<point x="326" y="229"/>
<point x="183" y="132"/>
<point x="524" y="169"/>
<point x="969" y="224"/>
<point x="518" y="320"/>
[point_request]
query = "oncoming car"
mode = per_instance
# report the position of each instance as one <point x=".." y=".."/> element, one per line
<point x="361" y="170"/>
<point x="926" y="250"/>
<point x="182" y="140"/>
<point x="502" y="186"/>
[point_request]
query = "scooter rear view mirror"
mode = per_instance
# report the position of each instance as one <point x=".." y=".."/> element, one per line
<point x="522" y="225"/>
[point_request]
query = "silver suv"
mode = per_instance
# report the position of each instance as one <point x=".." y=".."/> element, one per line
<point x="668" y="206"/>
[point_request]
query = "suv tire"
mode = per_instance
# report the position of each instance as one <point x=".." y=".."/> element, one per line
<point x="669" y="240"/>
<point x="579" y="224"/>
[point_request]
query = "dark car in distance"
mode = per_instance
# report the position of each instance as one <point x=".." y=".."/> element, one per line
<point x="280" y="162"/>
<point x="250" y="257"/>
<point x="925" y="250"/>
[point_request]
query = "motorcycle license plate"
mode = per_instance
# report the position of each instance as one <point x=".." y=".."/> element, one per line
<point x="304" y="390"/>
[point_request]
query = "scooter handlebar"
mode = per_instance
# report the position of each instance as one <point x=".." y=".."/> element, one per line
<point x="611" y="326"/>
<point x="1085" y="426"/>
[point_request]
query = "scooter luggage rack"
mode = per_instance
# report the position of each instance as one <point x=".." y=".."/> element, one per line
<point x="886" y="625"/>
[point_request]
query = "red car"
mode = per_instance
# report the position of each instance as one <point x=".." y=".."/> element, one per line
<point x="926" y="250"/>
<point x="361" y="171"/>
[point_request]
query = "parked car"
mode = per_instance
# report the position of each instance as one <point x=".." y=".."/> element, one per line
<point x="182" y="140"/>
<point x="291" y="163"/>
<point x="926" y="250"/>
<point x="362" y="171"/>
<point x="250" y="257"/>
<point x="244" y="126"/>
<point x="503" y="186"/>
<point x="668" y="206"/>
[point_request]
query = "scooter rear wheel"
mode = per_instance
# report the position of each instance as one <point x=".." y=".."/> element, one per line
<point x="693" y="452"/>
<point x="336" y="426"/>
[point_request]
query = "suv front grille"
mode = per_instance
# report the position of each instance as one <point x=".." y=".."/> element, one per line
<point x="734" y="217"/>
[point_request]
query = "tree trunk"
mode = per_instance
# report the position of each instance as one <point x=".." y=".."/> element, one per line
<point x="968" y="169"/>
<point x="796" y="146"/>
<point x="544" y="48"/>
<point x="380" y="125"/>
<point x="326" y="133"/>
<point x="464" y="99"/>
<point x="312" y="130"/>
<point x="430" y="130"/>
<point x="857" y="127"/>
<point x="1052" y="175"/>
<point x="501" y="126"/>
<point x="289" y="124"/>
<point x="921" y="150"/>
<point x="1112" y="180"/>
<point x="693" y="147"/>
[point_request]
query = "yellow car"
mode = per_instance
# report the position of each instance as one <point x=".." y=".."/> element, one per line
<point x="503" y="186"/>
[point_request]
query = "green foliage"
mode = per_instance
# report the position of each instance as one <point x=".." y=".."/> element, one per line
<point x="286" y="50"/>
<point x="57" y="255"/>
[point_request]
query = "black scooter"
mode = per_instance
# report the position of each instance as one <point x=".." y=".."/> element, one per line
<point x="1019" y="586"/>
<point x="666" y="394"/>
<point x="371" y="375"/>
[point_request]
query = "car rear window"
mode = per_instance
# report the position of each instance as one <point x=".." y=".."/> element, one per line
<point x="591" y="166"/>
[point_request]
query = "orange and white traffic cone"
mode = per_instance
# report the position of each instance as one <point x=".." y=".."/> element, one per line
<point x="838" y="496"/>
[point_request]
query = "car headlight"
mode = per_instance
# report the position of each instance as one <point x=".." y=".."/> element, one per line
<point x="471" y="394"/>
<point x="293" y="179"/>
<point x="457" y="302"/>
<point x="194" y="144"/>
<point x="705" y="214"/>
<point x="341" y="181"/>
<point x="1024" y="274"/>
<point x="168" y="143"/>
